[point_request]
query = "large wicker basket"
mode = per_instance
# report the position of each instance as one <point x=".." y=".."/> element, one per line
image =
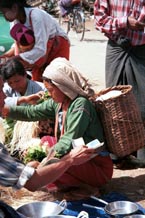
<point x="122" y="123"/>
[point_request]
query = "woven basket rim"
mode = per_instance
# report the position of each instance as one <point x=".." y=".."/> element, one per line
<point x="124" y="88"/>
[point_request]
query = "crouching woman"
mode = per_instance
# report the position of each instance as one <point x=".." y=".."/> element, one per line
<point x="75" y="116"/>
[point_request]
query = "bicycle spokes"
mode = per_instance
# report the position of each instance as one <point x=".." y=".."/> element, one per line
<point x="79" y="23"/>
<point x="76" y="23"/>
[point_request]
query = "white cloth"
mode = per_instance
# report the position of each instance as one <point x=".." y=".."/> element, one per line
<point x="12" y="96"/>
<point x="67" y="78"/>
<point x="45" y="27"/>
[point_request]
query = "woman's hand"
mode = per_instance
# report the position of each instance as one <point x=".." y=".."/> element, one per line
<point x="30" y="99"/>
<point x="10" y="53"/>
<point x="5" y="111"/>
<point x="80" y="155"/>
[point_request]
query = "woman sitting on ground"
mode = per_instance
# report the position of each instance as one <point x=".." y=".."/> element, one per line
<point x="75" y="116"/>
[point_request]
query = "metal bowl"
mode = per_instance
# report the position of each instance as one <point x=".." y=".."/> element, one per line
<point x="82" y="214"/>
<point x="41" y="209"/>
<point x="60" y="216"/>
<point x="121" y="208"/>
<point x="135" y="216"/>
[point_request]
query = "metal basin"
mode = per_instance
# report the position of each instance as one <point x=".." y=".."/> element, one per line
<point x="82" y="214"/>
<point x="116" y="208"/>
<point x="135" y="216"/>
<point x="41" y="209"/>
<point x="60" y="216"/>
<point x="121" y="208"/>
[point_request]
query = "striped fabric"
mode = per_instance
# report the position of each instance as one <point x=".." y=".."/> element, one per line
<point x="111" y="19"/>
<point x="12" y="172"/>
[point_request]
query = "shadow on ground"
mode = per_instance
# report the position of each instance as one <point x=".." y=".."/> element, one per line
<point x="132" y="187"/>
<point x="94" y="40"/>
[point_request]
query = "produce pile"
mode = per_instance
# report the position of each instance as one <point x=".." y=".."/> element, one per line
<point x="35" y="150"/>
<point x="28" y="146"/>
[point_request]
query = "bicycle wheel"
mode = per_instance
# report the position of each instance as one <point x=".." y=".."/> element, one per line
<point x="79" y="24"/>
<point x="64" y="24"/>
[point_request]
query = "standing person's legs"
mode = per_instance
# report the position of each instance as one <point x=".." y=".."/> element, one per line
<point x="61" y="49"/>
<point x="126" y="68"/>
<point x="114" y="65"/>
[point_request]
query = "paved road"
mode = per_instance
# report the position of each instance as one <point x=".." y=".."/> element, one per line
<point x="89" y="55"/>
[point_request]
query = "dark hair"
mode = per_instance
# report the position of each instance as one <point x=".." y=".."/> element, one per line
<point x="47" y="80"/>
<point x="11" y="68"/>
<point x="10" y="3"/>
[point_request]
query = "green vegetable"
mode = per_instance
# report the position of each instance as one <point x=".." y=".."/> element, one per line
<point x="34" y="153"/>
<point x="45" y="97"/>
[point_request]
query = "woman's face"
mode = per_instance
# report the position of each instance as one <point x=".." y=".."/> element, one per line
<point x="18" y="83"/>
<point x="57" y="95"/>
<point x="10" y="14"/>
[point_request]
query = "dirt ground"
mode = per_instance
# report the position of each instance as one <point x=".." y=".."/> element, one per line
<point x="128" y="182"/>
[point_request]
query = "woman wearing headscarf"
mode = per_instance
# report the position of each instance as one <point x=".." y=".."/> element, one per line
<point x="75" y="116"/>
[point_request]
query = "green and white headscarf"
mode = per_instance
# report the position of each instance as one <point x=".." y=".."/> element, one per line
<point x="68" y="79"/>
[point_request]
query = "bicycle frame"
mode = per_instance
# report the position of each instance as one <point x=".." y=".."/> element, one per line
<point x="76" y="22"/>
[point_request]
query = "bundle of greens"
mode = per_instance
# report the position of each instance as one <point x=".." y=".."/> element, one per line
<point x="44" y="97"/>
<point x="35" y="151"/>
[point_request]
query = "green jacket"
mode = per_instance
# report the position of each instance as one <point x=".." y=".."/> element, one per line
<point x="81" y="121"/>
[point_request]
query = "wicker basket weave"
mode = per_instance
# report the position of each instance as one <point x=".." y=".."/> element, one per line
<point x="122" y="123"/>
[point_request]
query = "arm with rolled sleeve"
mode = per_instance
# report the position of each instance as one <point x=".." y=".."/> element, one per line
<point x="16" y="175"/>
<point x="12" y="172"/>
<point x="81" y="121"/>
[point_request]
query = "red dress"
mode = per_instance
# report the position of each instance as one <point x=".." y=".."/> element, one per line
<point x="56" y="47"/>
